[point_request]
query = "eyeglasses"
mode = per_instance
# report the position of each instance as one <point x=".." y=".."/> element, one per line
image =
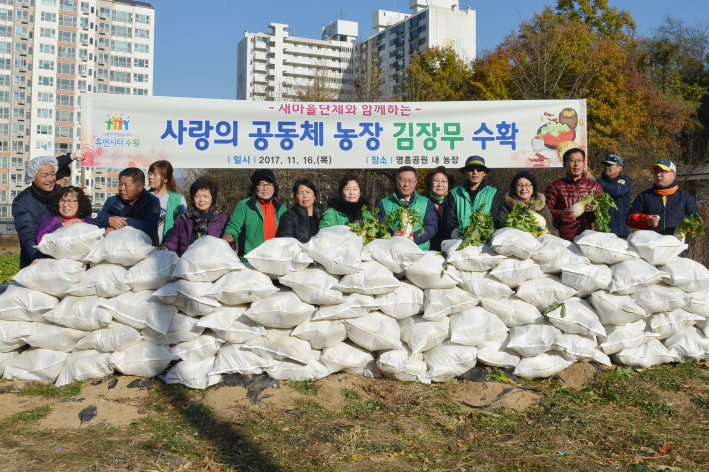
<point x="475" y="169"/>
<point x="576" y="161"/>
<point x="661" y="171"/>
<point x="407" y="181"/>
<point x="440" y="182"/>
<point x="524" y="185"/>
<point x="68" y="202"/>
<point x="265" y="185"/>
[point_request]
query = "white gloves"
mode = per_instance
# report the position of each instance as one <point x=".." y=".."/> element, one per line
<point x="456" y="233"/>
<point x="77" y="155"/>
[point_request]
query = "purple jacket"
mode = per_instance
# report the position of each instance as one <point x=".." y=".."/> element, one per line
<point x="179" y="236"/>
<point x="50" y="223"/>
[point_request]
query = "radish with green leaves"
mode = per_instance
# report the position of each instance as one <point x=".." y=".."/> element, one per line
<point x="404" y="219"/>
<point x="523" y="218"/>
<point x="369" y="227"/>
<point x="479" y="230"/>
<point x="598" y="204"/>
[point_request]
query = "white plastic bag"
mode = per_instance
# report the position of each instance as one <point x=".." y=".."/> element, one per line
<point x="647" y="355"/>
<point x="140" y="310"/>
<point x="84" y="365"/>
<point x="686" y="274"/>
<point x="400" y="364"/>
<point x="440" y="303"/>
<point x="235" y="359"/>
<point x="231" y="325"/>
<point x="79" y="313"/>
<point x="628" y="277"/>
<point x="281" y="310"/>
<point x="206" y="260"/>
<point x="545" y="290"/>
<point x="203" y="347"/>
<point x="193" y="374"/>
<point x="38" y="365"/>
<point x="690" y="343"/>
<point x="337" y="249"/>
<point x="71" y="242"/>
<point x="583" y="349"/>
<point x="541" y="366"/>
<point x="103" y="280"/>
<point x="512" y="311"/>
<point x="321" y="334"/>
<point x="314" y="286"/>
<point x="243" y="286"/>
<point x="374" y="332"/>
<point x="586" y="278"/>
<point x="514" y="272"/>
<point x="18" y="303"/>
<point x="114" y="337"/>
<point x="532" y="340"/>
<point x="51" y="276"/>
<point x="472" y="258"/>
<point x="494" y="353"/>
<point x="670" y="323"/>
<point x="7" y="357"/>
<point x="421" y="335"/>
<point x="152" y="272"/>
<point x="314" y="369"/>
<point x="629" y="336"/>
<point x="578" y="318"/>
<point x="699" y="304"/>
<point x="354" y="306"/>
<point x="604" y="248"/>
<point x="375" y="279"/>
<point x="655" y="248"/>
<point x="474" y="327"/>
<point x="278" y="347"/>
<point x="659" y="298"/>
<point x="481" y="285"/>
<point x="429" y="272"/>
<point x="393" y="253"/>
<point x="126" y="246"/>
<point x="449" y="360"/>
<point x="515" y="243"/>
<point x="181" y="328"/>
<point x="57" y="338"/>
<point x="405" y="301"/>
<point x="188" y="296"/>
<point x="557" y="253"/>
<point x="144" y="359"/>
<point x="278" y="256"/>
<point x="349" y="358"/>
<point x="617" y="310"/>
<point x="14" y="334"/>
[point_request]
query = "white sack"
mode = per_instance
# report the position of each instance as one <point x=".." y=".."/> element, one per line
<point x="393" y="253"/>
<point x="655" y="248"/>
<point x="557" y="253"/>
<point x="14" y="334"/>
<point x="374" y="332"/>
<point x="206" y="260"/>
<point x="234" y="359"/>
<point x="515" y="243"/>
<point x="604" y="248"/>
<point x="314" y="369"/>
<point x="690" y="343"/>
<point x="474" y="327"/>
<point x="321" y="334"/>
<point x="449" y="360"/>
<point x="670" y="323"/>
<point x="114" y="337"/>
<point x="84" y="365"/>
<point x="629" y="336"/>
<point x="428" y="272"/>
<point x="181" y="328"/>
<point x="54" y="277"/>
<point x="579" y="319"/>
<point x="617" y="310"/>
<point x="660" y="298"/>
<point x="337" y="249"/>
<point x="198" y="349"/>
<point x="7" y="357"/>
<point x="583" y="349"/>
<point x="512" y="311"/>
<point x="532" y="340"/>
<point x="314" y="286"/>
<point x="103" y="280"/>
<point x="421" y="335"/>
<point x="541" y="366"/>
<point x="514" y="272"/>
<point x="57" y="338"/>
<point x="494" y="353"/>
<point x="152" y="272"/>
<point x="481" y="285"/>
<point x="140" y="310"/>
<point x="37" y="365"/>
<point x="375" y="279"/>
<point x="545" y="290"/>
<point x="71" y="242"/>
<point x="21" y="304"/>
<point x="144" y="359"/>
<point x="647" y="355"/>
<point x="278" y="256"/>
<point x="400" y="364"/>
<point x="281" y="310"/>
<point x="472" y="258"/>
<point x="351" y="359"/>
<point x="79" y="313"/>
<point x="405" y="301"/>
<point x="686" y="274"/>
<point x="699" y="304"/>
<point x="188" y="296"/>
<point x="439" y="303"/>
<point x="586" y="278"/>
<point x="126" y="246"/>
<point x="193" y="374"/>
<point x="278" y="347"/>
<point x="354" y="306"/>
<point x="244" y="286"/>
<point x="231" y="325"/>
<point x="628" y="277"/>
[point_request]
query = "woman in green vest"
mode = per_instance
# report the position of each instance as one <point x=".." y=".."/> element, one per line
<point x="463" y="200"/>
<point x="345" y="208"/>
<point x="172" y="204"/>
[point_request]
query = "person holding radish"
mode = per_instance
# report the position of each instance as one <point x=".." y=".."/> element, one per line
<point x="406" y="213"/>
<point x="569" y="199"/>
<point x="465" y="199"/>
<point x="439" y="181"/>
<point x="346" y="208"/>
<point x="523" y="189"/>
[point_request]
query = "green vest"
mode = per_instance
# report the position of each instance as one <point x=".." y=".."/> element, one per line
<point x="418" y="202"/>
<point x="465" y="208"/>
<point x="173" y="211"/>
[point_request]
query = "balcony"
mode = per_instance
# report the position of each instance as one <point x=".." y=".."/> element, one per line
<point x="102" y="16"/>
<point x="84" y="58"/>
<point x="84" y="42"/>
<point x="85" y="27"/>
<point x="23" y="68"/>
<point x="19" y="151"/>
<point x="85" y="11"/>
<point x="83" y="73"/>
<point x="20" y="134"/>
<point x="102" y="77"/>
<point x="101" y="62"/>
<point x="21" y="101"/>
<point x="23" y="35"/>
<point x="103" y="31"/>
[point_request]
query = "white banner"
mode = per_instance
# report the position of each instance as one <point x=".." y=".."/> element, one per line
<point x="118" y="131"/>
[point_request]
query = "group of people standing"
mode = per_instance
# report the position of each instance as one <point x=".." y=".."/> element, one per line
<point x="163" y="213"/>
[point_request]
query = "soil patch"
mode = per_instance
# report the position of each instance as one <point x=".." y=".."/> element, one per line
<point x="579" y="375"/>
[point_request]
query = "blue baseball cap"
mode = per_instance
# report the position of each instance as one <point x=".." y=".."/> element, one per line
<point x="665" y="164"/>
<point x="475" y="161"/>
<point x="613" y="159"/>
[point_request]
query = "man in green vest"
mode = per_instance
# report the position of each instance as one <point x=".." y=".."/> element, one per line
<point x="463" y="200"/>
<point x="406" y="196"/>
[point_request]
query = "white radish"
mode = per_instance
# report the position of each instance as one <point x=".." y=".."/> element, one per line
<point x="541" y="222"/>
<point x="578" y="209"/>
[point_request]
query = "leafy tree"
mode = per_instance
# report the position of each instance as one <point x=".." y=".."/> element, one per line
<point x="596" y="15"/>
<point x="437" y="74"/>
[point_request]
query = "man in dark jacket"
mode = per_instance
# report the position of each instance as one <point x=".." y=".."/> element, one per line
<point x="563" y="193"/>
<point x="406" y="179"/>
<point x="665" y="205"/>
<point x="133" y="206"/>
<point x="618" y="187"/>
<point x="465" y="199"/>
<point x="32" y="203"/>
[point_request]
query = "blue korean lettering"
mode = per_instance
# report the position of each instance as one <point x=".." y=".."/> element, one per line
<point x="483" y="139"/>
<point x="200" y="130"/>
<point x="345" y="135"/>
<point x="507" y="134"/>
<point x="169" y="132"/>
<point x="224" y="129"/>
<point x="372" y="142"/>
<point x="263" y="131"/>
<point x="286" y="132"/>
<point x="312" y="131"/>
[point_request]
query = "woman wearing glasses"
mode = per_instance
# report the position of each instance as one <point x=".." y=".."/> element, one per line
<point x="69" y="206"/>
<point x="523" y="189"/>
<point x="438" y="182"/>
<point x="255" y="219"/>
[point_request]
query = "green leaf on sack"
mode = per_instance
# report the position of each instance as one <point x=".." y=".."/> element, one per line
<point x="555" y="306"/>
<point x="479" y="230"/>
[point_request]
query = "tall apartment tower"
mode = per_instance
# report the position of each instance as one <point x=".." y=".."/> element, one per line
<point x="50" y="52"/>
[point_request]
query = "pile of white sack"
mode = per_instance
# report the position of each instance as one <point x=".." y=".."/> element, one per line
<point x="385" y="309"/>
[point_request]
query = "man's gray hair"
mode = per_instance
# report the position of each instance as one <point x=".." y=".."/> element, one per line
<point x="32" y="167"/>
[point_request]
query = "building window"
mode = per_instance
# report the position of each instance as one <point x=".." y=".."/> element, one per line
<point x="63" y="132"/>
<point x="120" y="90"/>
<point x="67" y="20"/>
<point x="45" y="97"/>
<point x="65" y="116"/>
<point x="4" y="97"/>
<point x="65" y="84"/>
<point x="121" y="31"/>
<point x="46" y="65"/>
<point x="44" y="129"/>
<point x="17" y="162"/>
<point x="16" y="179"/>
<point x="43" y="146"/>
<point x="65" y="68"/>
<point x="140" y="78"/>
<point x="142" y="33"/>
<point x="65" y="100"/>
<point x="44" y="113"/>
<point x="18" y="112"/>
<point x="4" y="113"/>
<point x="122" y="16"/>
<point x="3" y="176"/>
<point x="46" y="49"/>
<point x="47" y="33"/>
<point x="140" y="63"/>
<point x="120" y="61"/>
<point x="63" y="148"/>
<point x="67" y="53"/>
<point x="121" y="46"/>
<point x="45" y="81"/>
<point x="119" y="76"/>
<point x="139" y="91"/>
<point x="3" y="148"/>
<point x="4" y="129"/>
<point x="145" y="19"/>
<point x="67" y="37"/>
<point x="68" y="5"/>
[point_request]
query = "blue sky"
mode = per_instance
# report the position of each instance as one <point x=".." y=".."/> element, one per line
<point x="196" y="41"/>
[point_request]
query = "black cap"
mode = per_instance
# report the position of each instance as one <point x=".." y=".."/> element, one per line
<point x="262" y="174"/>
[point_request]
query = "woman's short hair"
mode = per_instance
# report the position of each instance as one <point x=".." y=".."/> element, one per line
<point x="204" y="183"/>
<point x="436" y="171"/>
<point x="165" y="170"/>
<point x="84" y="201"/>
<point x="349" y="178"/>
<point x="308" y="183"/>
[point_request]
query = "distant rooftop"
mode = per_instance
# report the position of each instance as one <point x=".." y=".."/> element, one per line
<point x="135" y="3"/>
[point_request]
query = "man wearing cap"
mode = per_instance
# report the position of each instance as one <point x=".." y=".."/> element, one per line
<point x="474" y="193"/>
<point x="563" y="193"/>
<point x="406" y="194"/>
<point x="665" y="205"/>
<point x="618" y="187"/>
<point x="255" y="219"/>
<point x="30" y="205"/>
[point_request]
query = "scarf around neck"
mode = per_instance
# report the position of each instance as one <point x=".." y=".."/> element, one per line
<point x="202" y="218"/>
<point x="666" y="191"/>
<point x="436" y="199"/>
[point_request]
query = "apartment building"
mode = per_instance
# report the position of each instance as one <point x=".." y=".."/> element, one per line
<point x="50" y="52"/>
<point x="277" y="66"/>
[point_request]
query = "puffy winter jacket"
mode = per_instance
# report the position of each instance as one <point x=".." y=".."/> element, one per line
<point x="179" y="237"/>
<point x="295" y="223"/>
<point x="561" y="195"/>
<point x="341" y="212"/>
<point x="619" y="189"/>
<point x="671" y="209"/>
<point x="144" y="214"/>
<point x="246" y="224"/>
<point x="28" y="208"/>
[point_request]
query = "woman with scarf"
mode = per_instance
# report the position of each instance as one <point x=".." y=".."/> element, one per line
<point x="523" y="189"/>
<point x="438" y="182"/>
<point x="345" y="208"/>
<point x="202" y="218"/>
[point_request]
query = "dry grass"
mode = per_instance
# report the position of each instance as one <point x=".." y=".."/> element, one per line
<point x="9" y="244"/>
